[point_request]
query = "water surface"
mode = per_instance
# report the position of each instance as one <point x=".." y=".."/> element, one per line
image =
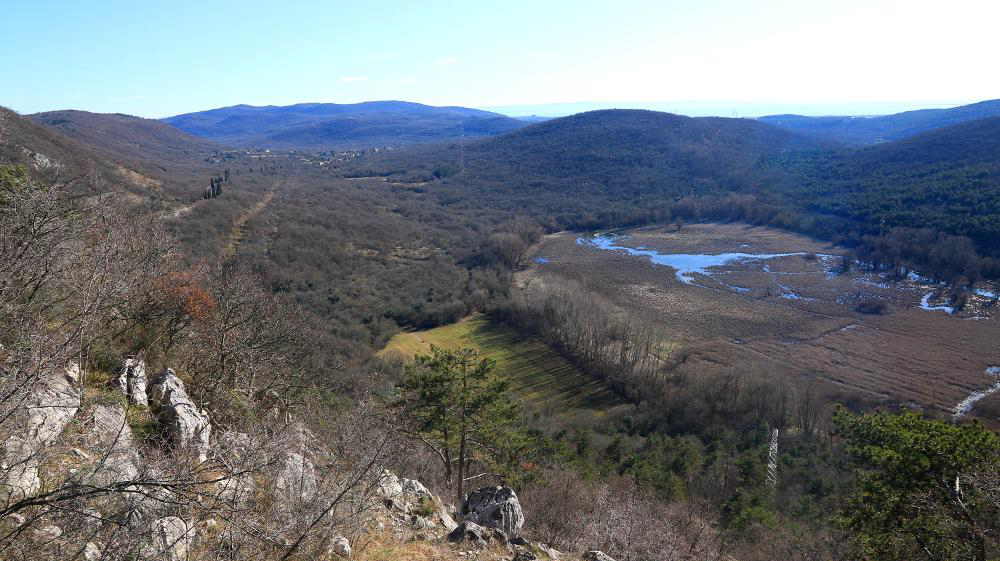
<point x="686" y="265"/>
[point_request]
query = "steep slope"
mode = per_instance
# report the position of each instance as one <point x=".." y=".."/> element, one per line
<point x="128" y="137"/>
<point x="22" y="141"/>
<point x="323" y="126"/>
<point x="153" y="157"/>
<point x="947" y="179"/>
<point x="873" y="130"/>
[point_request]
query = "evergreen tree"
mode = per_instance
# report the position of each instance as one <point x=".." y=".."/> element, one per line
<point x="458" y="406"/>
<point x="926" y="489"/>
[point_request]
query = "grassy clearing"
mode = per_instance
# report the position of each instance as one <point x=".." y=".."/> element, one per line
<point x="540" y="376"/>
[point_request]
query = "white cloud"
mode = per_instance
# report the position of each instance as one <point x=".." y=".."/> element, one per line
<point x="446" y="61"/>
<point x="354" y="78"/>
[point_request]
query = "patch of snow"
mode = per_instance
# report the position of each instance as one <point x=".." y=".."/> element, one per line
<point x="925" y="303"/>
<point x="966" y="404"/>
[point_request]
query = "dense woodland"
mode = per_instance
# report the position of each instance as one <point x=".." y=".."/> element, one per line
<point x="653" y="168"/>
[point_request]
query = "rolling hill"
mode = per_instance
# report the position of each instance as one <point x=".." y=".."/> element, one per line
<point x="326" y="126"/>
<point x="615" y="153"/>
<point x="946" y="179"/>
<point x="127" y="137"/>
<point x="24" y="142"/>
<point x="150" y="156"/>
<point x="857" y="131"/>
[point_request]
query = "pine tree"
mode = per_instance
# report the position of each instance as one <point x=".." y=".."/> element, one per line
<point x="458" y="406"/>
<point x="925" y="489"/>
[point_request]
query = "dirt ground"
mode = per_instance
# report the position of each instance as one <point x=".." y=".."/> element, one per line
<point x="792" y="315"/>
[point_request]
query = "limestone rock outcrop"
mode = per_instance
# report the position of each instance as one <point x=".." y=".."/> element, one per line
<point x="131" y="381"/>
<point x="297" y="478"/>
<point x="51" y="406"/>
<point x="171" y="538"/>
<point x="112" y="437"/>
<point x="596" y="556"/>
<point x="187" y="426"/>
<point x="494" y="507"/>
<point x="410" y="496"/>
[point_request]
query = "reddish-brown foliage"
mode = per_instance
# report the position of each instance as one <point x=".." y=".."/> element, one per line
<point x="184" y="292"/>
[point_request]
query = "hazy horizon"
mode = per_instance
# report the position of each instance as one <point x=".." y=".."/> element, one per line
<point x="688" y="108"/>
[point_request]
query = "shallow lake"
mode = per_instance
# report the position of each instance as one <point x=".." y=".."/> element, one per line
<point x="686" y="265"/>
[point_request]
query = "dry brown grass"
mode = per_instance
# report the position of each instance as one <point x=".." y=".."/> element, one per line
<point x="383" y="547"/>
<point x="913" y="355"/>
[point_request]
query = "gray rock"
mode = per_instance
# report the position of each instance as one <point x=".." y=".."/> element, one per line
<point x="91" y="552"/>
<point x="48" y="533"/>
<point x="297" y="478"/>
<point x="340" y="546"/>
<point x="187" y="426"/>
<point x="172" y="537"/>
<point x="524" y="554"/>
<point x="131" y="380"/>
<point x="472" y="533"/>
<point x="112" y="437"/>
<point x="53" y="402"/>
<point x="494" y="507"/>
<point x="551" y="552"/>
<point x="596" y="556"/>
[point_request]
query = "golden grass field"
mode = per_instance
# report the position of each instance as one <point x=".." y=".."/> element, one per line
<point x="926" y="357"/>
<point x="546" y="382"/>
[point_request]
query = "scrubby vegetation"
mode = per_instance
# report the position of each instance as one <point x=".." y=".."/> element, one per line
<point x="284" y="325"/>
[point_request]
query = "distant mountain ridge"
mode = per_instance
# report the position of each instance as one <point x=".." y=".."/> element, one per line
<point x="859" y="131"/>
<point x="324" y="126"/>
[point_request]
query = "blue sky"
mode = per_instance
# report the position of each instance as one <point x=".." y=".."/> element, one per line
<point x="158" y="58"/>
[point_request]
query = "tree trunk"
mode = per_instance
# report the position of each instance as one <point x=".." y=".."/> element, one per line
<point x="461" y="476"/>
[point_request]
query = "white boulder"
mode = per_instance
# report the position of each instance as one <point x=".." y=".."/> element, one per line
<point x="131" y="380"/>
<point x="186" y="424"/>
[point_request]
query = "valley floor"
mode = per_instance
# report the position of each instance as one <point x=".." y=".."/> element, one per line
<point x="792" y="315"/>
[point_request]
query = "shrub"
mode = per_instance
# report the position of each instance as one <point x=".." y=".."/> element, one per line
<point x="874" y="307"/>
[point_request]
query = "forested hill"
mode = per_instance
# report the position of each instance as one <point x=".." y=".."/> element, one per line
<point x="858" y="131"/>
<point x="34" y="146"/>
<point x="150" y="158"/>
<point x="615" y="153"/>
<point x="947" y="179"/>
<point x="326" y="126"/>
<point x="126" y="136"/>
